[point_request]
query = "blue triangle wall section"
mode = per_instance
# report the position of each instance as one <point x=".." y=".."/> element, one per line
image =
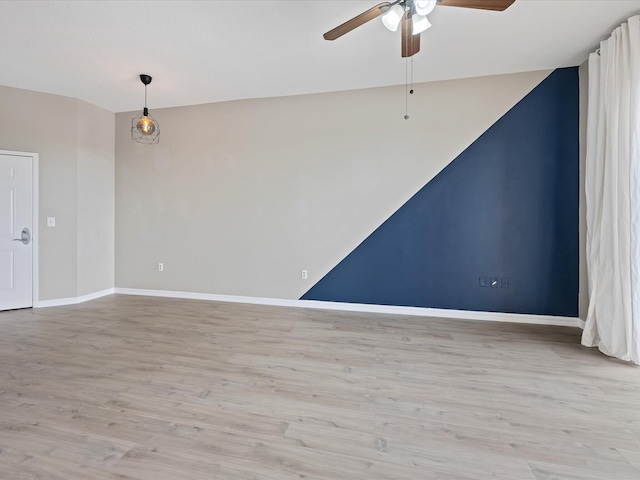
<point x="505" y="210"/>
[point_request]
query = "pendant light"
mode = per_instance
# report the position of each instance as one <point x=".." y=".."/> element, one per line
<point x="144" y="129"/>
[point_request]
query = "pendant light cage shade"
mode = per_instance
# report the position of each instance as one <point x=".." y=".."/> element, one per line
<point x="144" y="129"/>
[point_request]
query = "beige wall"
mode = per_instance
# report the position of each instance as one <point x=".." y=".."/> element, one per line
<point x="54" y="127"/>
<point x="238" y="197"/>
<point x="95" y="199"/>
<point x="583" y="301"/>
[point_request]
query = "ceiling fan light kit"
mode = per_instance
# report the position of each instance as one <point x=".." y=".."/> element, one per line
<point x="412" y="15"/>
<point x="425" y="7"/>
<point x="420" y="24"/>
<point x="392" y="18"/>
<point x="144" y="129"/>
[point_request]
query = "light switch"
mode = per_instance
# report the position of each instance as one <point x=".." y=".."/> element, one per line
<point x="51" y="221"/>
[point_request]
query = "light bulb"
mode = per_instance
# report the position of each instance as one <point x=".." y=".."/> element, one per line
<point x="392" y="18"/>
<point x="425" y="7"/>
<point x="145" y="126"/>
<point x="420" y="23"/>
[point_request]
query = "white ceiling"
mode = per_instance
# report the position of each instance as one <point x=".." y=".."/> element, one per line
<point x="211" y="51"/>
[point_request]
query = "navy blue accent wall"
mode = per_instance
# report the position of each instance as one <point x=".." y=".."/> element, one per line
<point x="507" y="207"/>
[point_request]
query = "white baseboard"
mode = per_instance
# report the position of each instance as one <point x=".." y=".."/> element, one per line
<point x="349" y="307"/>
<point x="58" y="302"/>
<point x="360" y="307"/>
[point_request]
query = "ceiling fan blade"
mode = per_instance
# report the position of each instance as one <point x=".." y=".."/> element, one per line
<point x="355" y="22"/>
<point x="410" y="42"/>
<point x="497" y="5"/>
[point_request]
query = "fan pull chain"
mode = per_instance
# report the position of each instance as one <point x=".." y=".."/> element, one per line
<point x="408" y="87"/>
<point x="411" y="91"/>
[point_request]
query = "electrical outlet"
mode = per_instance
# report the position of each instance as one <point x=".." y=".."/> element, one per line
<point x="505" y="282"/>
<point x="484" y="281"/>
<point x="304" y="274"/>
<point x="494" y="282"/>
<point x="161" y="267"/>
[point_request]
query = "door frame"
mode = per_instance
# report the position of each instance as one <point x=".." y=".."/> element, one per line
<point x="35" y="207"/>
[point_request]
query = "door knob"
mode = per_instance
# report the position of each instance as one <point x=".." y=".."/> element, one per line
<point x="25" y="237"/>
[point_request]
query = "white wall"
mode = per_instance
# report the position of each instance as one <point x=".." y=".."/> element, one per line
<point x="238" y="197"/>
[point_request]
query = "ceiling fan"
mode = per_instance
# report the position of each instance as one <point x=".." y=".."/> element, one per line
<point x="412" y="15"/>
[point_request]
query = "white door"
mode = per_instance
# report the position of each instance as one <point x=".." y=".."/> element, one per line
<point x="16" y="228"/>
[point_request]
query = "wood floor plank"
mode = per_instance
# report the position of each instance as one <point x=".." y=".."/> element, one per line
<point x="632" y="456"/>
<point x="138" y="388"/>
<point x="38" y="467"/>
<point x="553" y="471"/>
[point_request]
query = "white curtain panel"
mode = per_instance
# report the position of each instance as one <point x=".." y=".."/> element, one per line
<point x="613" y="195"/>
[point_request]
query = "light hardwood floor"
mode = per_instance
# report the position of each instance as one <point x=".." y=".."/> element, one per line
<point x="142" y="388"/>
